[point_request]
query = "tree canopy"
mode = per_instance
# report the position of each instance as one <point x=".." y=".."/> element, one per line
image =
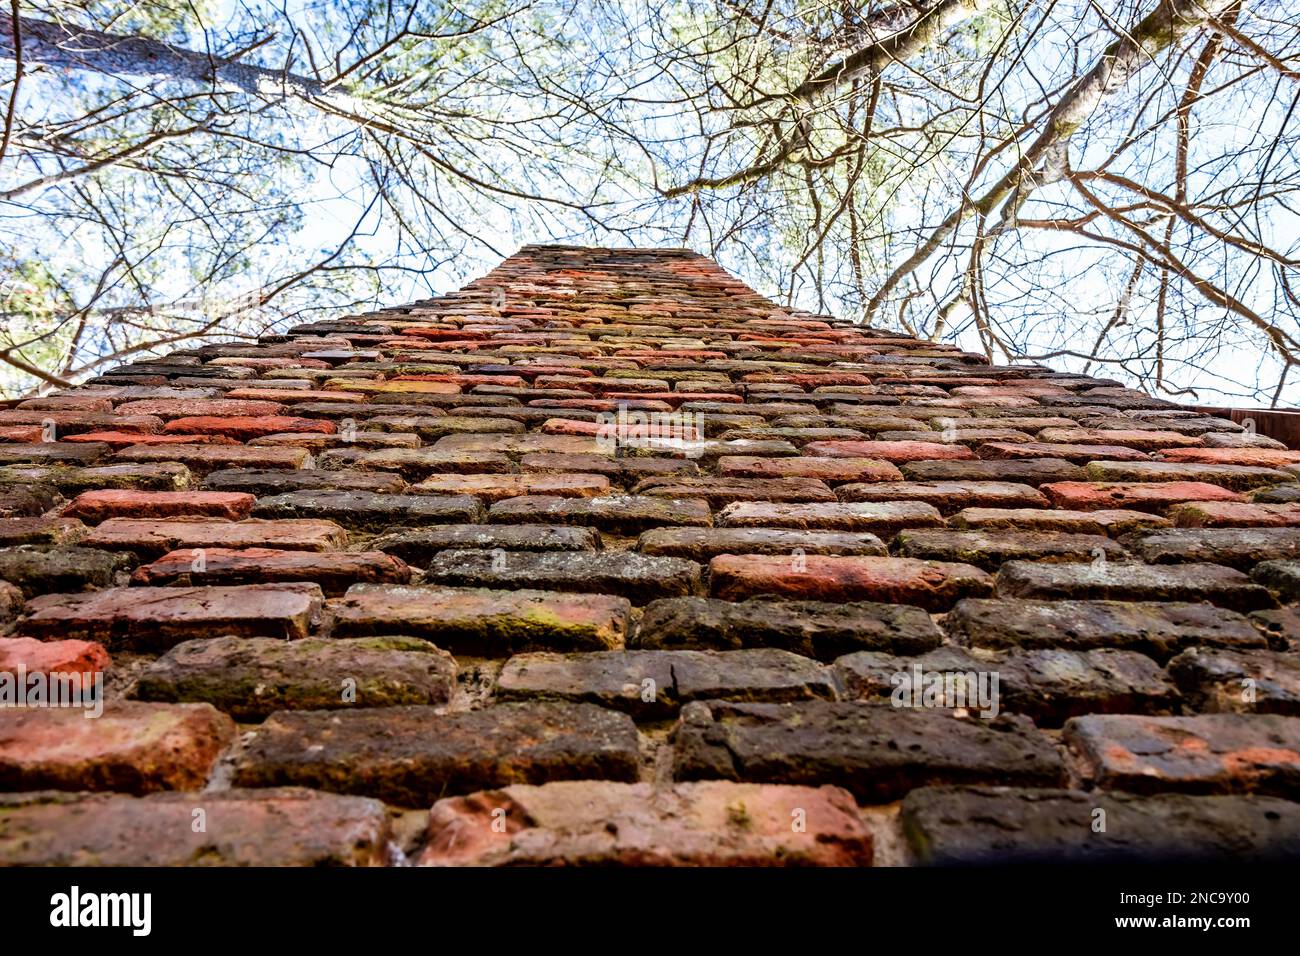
<point x="1101" y="185"/>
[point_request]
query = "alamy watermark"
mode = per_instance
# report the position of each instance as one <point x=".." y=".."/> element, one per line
<point x="969" y="690"/>
<point x="78" y="689"/>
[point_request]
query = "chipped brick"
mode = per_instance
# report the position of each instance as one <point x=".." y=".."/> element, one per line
<point x="713" y="823"/>
<point x="411" y="756"/>
<point x="933" y="585"/>
<point x="875" y="752"/>
<point x="130" y="748"/>
<point x="955" y="826"/>
<point x="252" y="678"/>
<point x="484" y="622"/>
<point x="158" y="618"/>
<point x="821" y="630"/>
<point x="1206" y="754"/>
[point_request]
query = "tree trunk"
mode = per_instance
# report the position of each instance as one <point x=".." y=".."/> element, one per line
<point x="70" y="47"/>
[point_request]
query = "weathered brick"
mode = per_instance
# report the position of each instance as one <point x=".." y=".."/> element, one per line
<point x="334" y="571"/>
<point x="1214" y="680"/>
<point x="119" y="440"/>
<point x="210" y="407"/>
<point x="638" y="577"/>
<point x="154" y="538"/>
<point x="482" y="622"/>
<point x="1031" y="471"/>
<point x="1157" y="630"/>
<point x="491" y="487"/>
<point x="40" y="531"/>
<point x="1257" y="457"/>
<point x="259" y="481"/>
<point x="701" y="544"/>
<point x="874" y="751"/>
<point x="1049" y="686"/>
<point x="70" y="482"/>
<point x="1236" y="547"/>
<point x="1281" y="577"/>
<point x="989" y="549"/>
<point x="367" y="511"/>
<point x="1078" y="454"/>
<point x="158" y="618"/>
<point x="411" y="756"/>
<point x="1233" y="514"/>
<point x="1114" y="581"/>
<point x="97" y="506"/>
<point x="884" y="518"/>
<point x="617" y="469"/>
<point x="1143" y="439"/>
<point x="242" y="828"/>
<point x="950" y="826"/>
<point x="25" y="502"/>
<point x="1233" y="477"/>
<point x="821" y="630"/>
<point x="1149" y="496"/>
<point x="892" y="451"/>
<point x="244" y="428"/>
<point x="719" y="491"/>
<point x="52" y="453"/>
<point x="948" y="496"/>
<point x="829" y="470"/>
<point x="623" y="514"/>
<point x="44" y="570"/>
<point x="933" y="585"/>
<point x="712" y="823"/>
<point x="252" y="678"/>
<point x="1075" y="522"/>
<point x="419" y="546"/>
<point x="131" y="748"/>
<point x="520" y="444"/>
<point x="1209" y="753"/>
<point x="205" y="458"/>
<point x="44" y="657"/>
<point x="654" y="684"/>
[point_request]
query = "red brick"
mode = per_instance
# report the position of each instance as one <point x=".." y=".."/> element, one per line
<point x="894" y="451"/>
<point x="158" y="618"/>
<point x="243" y="828"/>
<point x="118" y="440"/>
<point x="713" y="823"/>
<point x="1143" y="496"/>
<point x="934" y="585"/>
<point x="244" y="428"/>
<point x="96" y="506"/>
<point x="83" y="657"/>
<point x="1211" y="753"/>
<point x="21" y="433"/>
<point x="1137" y="438"/>
<point x="176" y="408"/>
<point x="131" y="748"/>
<point x="156" y="537"/>
<point x="1235" y="514"/>
<point x="334" y="571"/>
<point x="204" y="458"/>
<point x="1260" y="457"/>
